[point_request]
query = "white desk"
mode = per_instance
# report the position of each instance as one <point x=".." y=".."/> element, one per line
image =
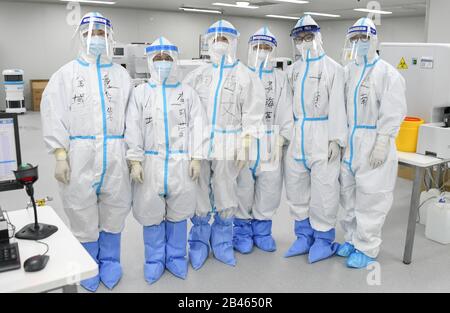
<point x="69" y="262"/>
<point x="420" y="163"/>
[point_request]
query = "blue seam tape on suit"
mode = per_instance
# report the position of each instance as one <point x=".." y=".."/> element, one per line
<point x="305" y="75"/>
<point x="355" y="114"/>
<point x="171" y="152"/>
<point x="216" y="96"/>
<point x="258" y="144"/>
<point x="228" y="131"/>
<point x="7" y="161"/>
<point x="105" y="132"/>
<point x="13" y="83"/>
<point x="95" y="137"/>
<point x="226" y="66"/>
<point x="305" y="118"/>
<point x="258" y="157"/>
<point x="166" y="131"/>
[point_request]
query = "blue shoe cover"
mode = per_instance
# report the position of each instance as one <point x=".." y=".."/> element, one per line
<point x="109" y="259"/>
<point x="91" y="284"/>
<point x="345" y="250"/>
<point x="323" y="247"/>
<point x="155" y="252"/>
<point x="359" y="260"/>
<point x="262" y="235"/>
<point x="242" y="237"/>
<point x="222" y="240"/>
<point x="176" y="254"/>
<point x="199" y="241"/>
<point x="304" y="240"/>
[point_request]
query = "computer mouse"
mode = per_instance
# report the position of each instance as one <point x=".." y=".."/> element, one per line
<point x="35" y="263"/>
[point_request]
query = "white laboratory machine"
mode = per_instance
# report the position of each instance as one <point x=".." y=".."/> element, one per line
<point x="187" y="66"/>
<point x="14" y="86"/>
<point x="203" y="48"/>
<point x="133" y="58"/>
<point x="137" y="64"/>
<point x="119" y="56"/>
<point x="426" y="69"/>
<point x="282" y="63"/>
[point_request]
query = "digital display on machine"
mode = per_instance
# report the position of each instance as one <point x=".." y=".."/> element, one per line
<point x="8" y="159"/>
<point x="119" y="52"/>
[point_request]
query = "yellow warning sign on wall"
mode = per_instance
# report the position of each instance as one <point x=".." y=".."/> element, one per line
<point x="402" y="65"/>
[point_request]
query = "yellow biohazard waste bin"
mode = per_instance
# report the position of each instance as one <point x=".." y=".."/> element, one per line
<point x="409" y="132"/>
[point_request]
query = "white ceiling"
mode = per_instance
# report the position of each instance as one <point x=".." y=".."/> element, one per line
<point x="341" y="7"/>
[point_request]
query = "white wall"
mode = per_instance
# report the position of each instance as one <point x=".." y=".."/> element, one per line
<point x="405" y="29"/>
<point x="36" y="37"/>
<point x="438" y="21"/>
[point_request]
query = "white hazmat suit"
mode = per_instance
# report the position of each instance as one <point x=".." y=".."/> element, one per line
<point x="376" y="106"/>
<point x="233" y="100"/>
<point x="83" y="115"/>
<point x="161" y="121"/>
<point x="312" y="161"/>
<point x="260" y="185"/>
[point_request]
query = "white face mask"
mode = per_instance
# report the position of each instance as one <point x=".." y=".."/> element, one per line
<point x="306" y="46"/>
<point x="163" y="68"/>
<point x="362" y="48"/>
<point x="262" y="56"/>
<point x="220" y="48"/>
<point x="97" y="45"/>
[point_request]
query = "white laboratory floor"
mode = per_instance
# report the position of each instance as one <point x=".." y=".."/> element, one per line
<point x="260" y="271"/>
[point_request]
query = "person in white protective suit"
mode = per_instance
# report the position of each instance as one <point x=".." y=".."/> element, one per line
<point x="320" y="130"/>
<point x="376" y="106"/>
<point x="83" y="119"/>
<point x="233" y="99"/>
<point x="260" y="185"/>
<point x="165" y="160"/>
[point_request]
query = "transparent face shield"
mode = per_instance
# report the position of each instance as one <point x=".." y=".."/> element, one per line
<point x="307" y="42"/>
<point x="222" y="45"/>
<point x="96" y="36"/>
<point x="360" y="43"/>
<point x="163" y="65"/>
<point x="261" y="52"/>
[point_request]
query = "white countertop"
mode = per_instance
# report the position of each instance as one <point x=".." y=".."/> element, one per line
<point x="69" y="262"/>
<point x="419" y="160"/>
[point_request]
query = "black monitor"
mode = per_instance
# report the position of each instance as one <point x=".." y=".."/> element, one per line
<point x="10" y="157"/>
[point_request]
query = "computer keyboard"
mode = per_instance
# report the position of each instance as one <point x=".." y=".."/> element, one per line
<point x="9" y="257"/>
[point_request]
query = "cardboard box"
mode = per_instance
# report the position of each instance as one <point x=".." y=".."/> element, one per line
<point x="37" y="89"/>
<point x="408" y="173"/>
